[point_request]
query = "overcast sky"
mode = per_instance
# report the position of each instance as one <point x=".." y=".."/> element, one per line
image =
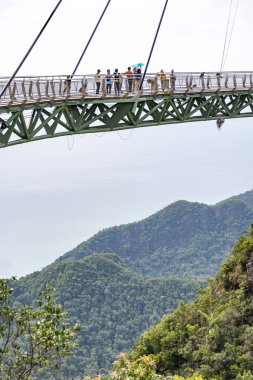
<point x="56" y="193"/>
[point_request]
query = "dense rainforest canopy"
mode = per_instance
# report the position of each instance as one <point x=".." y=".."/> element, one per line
<point x="213" y="335"/>
<point x="112" y="304"/>
<point x="184" y="239"/>
<point x="171" y="252"/>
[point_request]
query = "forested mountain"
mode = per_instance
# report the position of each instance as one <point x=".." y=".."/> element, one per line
<point x="99" y="284"/>
<point x="112" y="304"/>
<point x="182" y="239"/>
<point x="246" y="197"/>
<point x="213" y="335"/>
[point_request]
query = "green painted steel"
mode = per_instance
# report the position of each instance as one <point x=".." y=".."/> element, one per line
<point x="47" y="119"/>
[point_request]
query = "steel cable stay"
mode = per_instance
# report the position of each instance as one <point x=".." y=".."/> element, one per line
<point x="225" y="41"/>
<point x="30" y="49"/>
<point x="220" y="120"/>
<point x="228" y="40"/>
<point x="153" y="44"/>
<point x="231" y="32"/>
<point x="91" y="36"/>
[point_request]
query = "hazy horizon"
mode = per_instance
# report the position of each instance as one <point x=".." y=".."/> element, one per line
<point x="53" y="198"/>
<point x="57" y="198"/>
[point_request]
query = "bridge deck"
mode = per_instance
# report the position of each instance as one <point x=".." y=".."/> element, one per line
<point x="36" y="108"/>
<point x="32" y="90"/>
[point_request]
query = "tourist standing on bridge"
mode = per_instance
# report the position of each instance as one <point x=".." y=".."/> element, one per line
<point x="108" y="79"/>
<point x="137" y="79"/>
<point x="97" y="78"/>
<point x="163" y="79"/>
<point x="172" y="80"/>
<point x="116" y="77"/>
<point x="129" y="75"/>
<point x="67" y="84"/>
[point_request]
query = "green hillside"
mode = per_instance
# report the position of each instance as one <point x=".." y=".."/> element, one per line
<point x="144" y="270"/>
<point x="183" y="239"/>
<point x="112" y="304"/>
<point x="246" y="197"/>
<point x="213" y="335"/>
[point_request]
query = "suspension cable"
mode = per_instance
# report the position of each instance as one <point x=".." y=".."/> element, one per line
<point x="30" y="49"/>
<point x="153" y="44"/>
<point x="231" y="32"/>
<point x="89" y="41"/>
<point x="225" y="42"/>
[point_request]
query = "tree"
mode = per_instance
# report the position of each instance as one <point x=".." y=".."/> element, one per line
<point x="141" y="369"/>
<point x="32" y="338"/>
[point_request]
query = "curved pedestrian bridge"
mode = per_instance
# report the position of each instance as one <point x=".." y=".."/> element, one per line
<point x="27" y="89"/>
<point x="34" y="108"/>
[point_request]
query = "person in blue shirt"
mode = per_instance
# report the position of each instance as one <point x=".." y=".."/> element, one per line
<point x="116" y="78"/>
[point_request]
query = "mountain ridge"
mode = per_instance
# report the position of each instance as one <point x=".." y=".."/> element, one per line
<point x="161" y="243"/>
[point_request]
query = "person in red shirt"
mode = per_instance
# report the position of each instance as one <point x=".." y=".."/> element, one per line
<point x="129" y="75"/>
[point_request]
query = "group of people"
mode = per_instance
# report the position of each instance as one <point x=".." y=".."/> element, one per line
<point x="134" y="78"/>
<point x="165" y="81"/>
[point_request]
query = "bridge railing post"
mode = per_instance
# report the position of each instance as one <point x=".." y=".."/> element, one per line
<point x="191" y="82"/>
<point x="234" y="82"/>
<point x="218" y="78"/>
<point x="208" y="82"/>
<point x="30" y="89"/>
<point x="156" y="84"/>
<point x="53" y="88"/>
<point x="127" y="85"/>
<point x="226" y="81"/>
<point x="24" y="90"/>
<point x="38" y="89"/>
<point x="244" y="80"/>
<point x="187" y="82"/>
<point x="46" y="89"/>
<point x="13" y="91"/>
<point x="103" y="87"/>
<point x="60" y="87"/>
<point x="250" y="81"/>
<point x="202" y="79"/>
<point x="68" y="90"/>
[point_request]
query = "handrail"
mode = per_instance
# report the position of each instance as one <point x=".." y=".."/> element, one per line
<point x="41" y="88"/>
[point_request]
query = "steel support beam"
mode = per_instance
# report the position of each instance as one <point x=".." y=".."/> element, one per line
<point x="36" y="121"/>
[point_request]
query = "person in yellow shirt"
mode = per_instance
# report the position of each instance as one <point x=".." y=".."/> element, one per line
<point x="164" y="80"/>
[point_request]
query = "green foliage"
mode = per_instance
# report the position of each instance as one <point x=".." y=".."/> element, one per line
<point x="32" y="338"/>
<point x="142" y="369"/>
<point x="213" y="335"/>
<point x="112" y="304"/>
<point x="184" y="239"/>
<point x="245" y="376"/>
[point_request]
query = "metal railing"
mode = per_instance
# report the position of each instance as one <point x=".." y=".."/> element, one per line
<point x="42" y="88"/>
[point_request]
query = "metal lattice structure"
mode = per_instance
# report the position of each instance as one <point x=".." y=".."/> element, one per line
<point x="30" y="113"/>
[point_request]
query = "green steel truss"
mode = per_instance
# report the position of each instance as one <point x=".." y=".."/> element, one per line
<point x="35" y="121"/>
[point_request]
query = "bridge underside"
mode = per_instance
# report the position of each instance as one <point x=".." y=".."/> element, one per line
<point x="22" y="123"/>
